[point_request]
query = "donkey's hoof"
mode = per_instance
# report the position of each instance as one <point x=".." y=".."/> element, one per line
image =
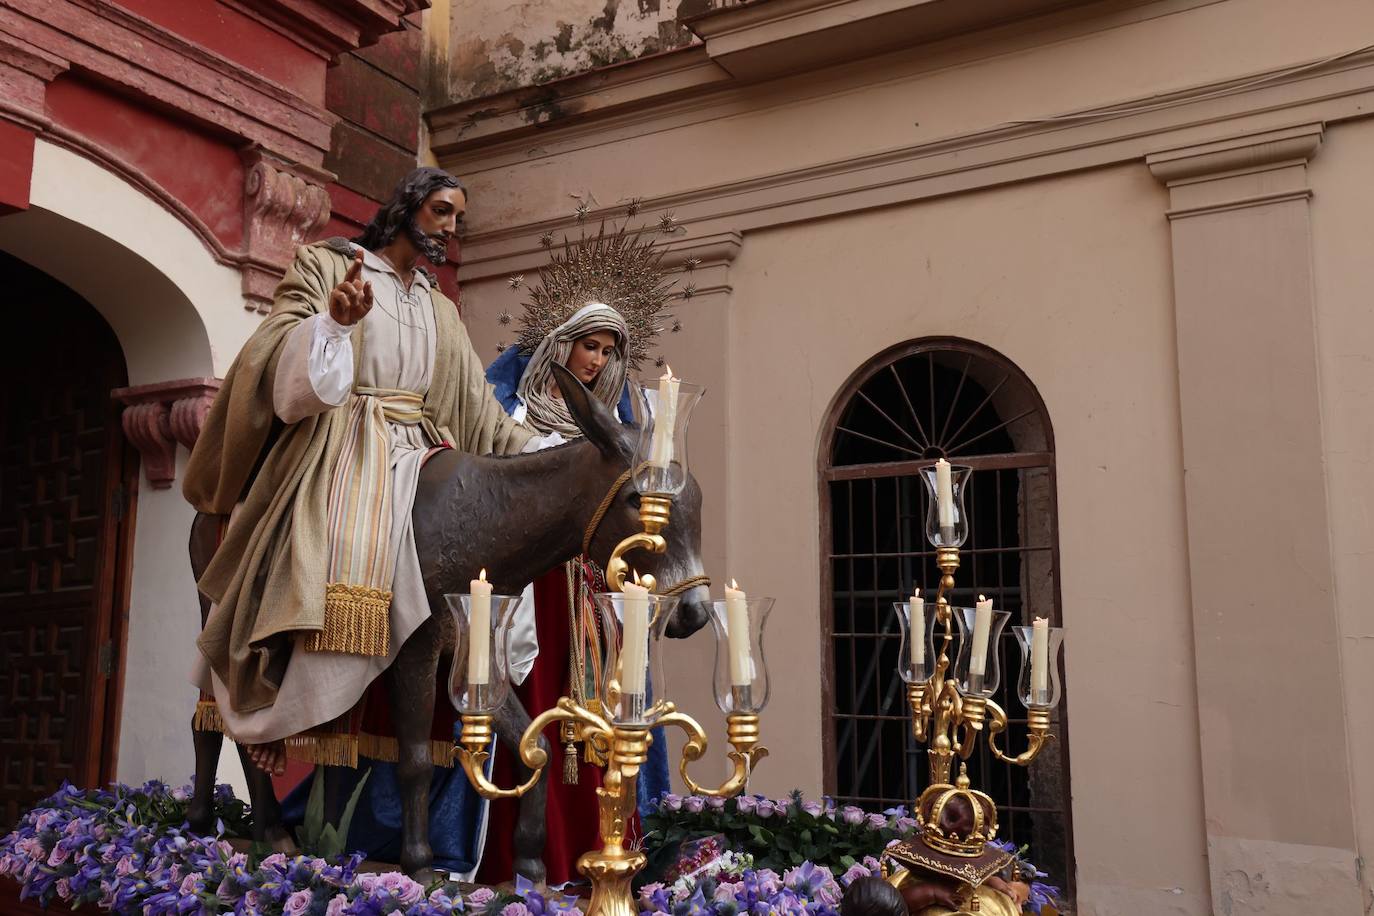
<point x="424" y="875"/>
<point x="532" y="869"/>
<point x="281" y="841"/>
<point x="201" y="821"/>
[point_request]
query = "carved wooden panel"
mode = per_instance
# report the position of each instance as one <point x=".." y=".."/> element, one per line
<point x="61" y="473"/>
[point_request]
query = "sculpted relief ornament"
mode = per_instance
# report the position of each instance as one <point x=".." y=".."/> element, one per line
<point x="284" y="206"/>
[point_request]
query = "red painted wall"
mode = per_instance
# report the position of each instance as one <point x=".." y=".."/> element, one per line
<point x="240" y="38"/>
<point x="16" y="166"/>
<point x="202" y="171"/>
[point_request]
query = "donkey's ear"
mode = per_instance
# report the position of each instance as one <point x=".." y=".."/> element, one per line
<point x="595" y="420"/>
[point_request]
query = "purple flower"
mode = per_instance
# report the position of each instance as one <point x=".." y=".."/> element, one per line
<point x="337" y="907"/>
<point x="876" y="821"/>
<point x="852" y="815"/>
<point x="746" y="804"/>
<point x="672" y="802"/>
<point x="765" y="808"/>
<point x="857" y="870"/>
<point x="694" y="804"/>
<point x="60" y="854"/>
<point x="298" y="903"/>
<point x="64" y="888"/>
<point x="653" y="896"/>
<point x="482" y="896"/>
<point x="812" y="808"/>
<point x="515" y="909"/>
<point x="715" y="804"/>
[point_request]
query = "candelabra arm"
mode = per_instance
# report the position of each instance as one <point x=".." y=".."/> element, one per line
<point x="743" y="735"/>
<point x="1037" y="726"/>
<point x="617" y="568"/>
<point x="477" y="734"/>
<point x="920" y="710"/>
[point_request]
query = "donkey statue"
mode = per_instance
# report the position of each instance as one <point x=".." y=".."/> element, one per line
<point x="517" y="517"/>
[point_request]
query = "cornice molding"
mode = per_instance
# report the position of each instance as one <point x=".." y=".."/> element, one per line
<point x="332" y="27"/>
<point x="1321" y="92"/>
<point x="756" y="41"/>
<point x="1248" y="170"/>
<point x="1235" y="155"/>
<point x="143" y="58"/>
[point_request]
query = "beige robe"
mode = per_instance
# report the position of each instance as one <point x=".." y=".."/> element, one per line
<point x="400" y="333"/>
<point x="267" y="578"/>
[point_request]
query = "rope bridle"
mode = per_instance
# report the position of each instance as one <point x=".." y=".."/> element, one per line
<point x="606" y="501"/>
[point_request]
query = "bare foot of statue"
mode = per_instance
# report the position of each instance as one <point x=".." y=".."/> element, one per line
<point x="269" y="757"/>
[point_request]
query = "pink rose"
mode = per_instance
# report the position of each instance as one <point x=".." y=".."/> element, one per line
<point x="188" y="886"/>
<point x="59" y="855"/>
<point x="516" y="909"/>
<point x="275" y="860"/>
<point x="298" y="903"/>
<point x="64" y="888"/>
<point x="482" y="896"/>
<point x="401" y="887"/>
<point x="338" y="906"/>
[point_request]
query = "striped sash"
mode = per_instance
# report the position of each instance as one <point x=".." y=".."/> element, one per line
<point x="357" y="599"/>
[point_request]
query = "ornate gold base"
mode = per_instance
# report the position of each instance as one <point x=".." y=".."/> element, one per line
<point x="611" y="874"/>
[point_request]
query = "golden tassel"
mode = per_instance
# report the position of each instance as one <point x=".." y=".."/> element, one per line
<point x="207" y="717"/>
<point x="570" y="767"/>
<point x="331" y="750"/>
<point x="356" y="621"/>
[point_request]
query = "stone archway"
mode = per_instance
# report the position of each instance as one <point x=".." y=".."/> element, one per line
<point x="65" y="475"/>
<point x="179" y="319"/>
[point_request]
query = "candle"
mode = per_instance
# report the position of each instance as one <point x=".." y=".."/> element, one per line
<point x="634" y="642"/>
<point x="917" y="615"/>
<point x="479" y="631"/>
<point x="737" y="635"/>
<point x="661" y="448"/>
<point x="944" y="494"/>
<point x="982" y="623"/>
<point x="1040" y="655"/>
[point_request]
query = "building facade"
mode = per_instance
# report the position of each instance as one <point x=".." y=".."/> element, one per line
<point x="1112" y="254"/>
<point x="159" y="163"/>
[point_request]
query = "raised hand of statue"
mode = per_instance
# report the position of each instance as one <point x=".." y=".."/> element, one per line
<point x="352" y="298"/>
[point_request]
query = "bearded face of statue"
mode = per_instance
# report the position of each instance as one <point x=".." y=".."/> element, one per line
<point x="435" y="222"/>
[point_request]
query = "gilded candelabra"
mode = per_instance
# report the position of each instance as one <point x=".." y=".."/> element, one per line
<point x="618" y="726"/>
<point x="949" y="709"/>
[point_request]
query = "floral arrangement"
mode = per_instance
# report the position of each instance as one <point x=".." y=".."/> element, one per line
<point x="732" y="885"/>
<point x="779" y="833"/>
<point x="784" y="835"/>
<point x="1021" y="869"/>
<point x="115" y="849"/>
<point x="128" y="850"/>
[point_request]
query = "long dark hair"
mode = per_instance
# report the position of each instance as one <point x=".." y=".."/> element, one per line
<point x="391" y="220"/>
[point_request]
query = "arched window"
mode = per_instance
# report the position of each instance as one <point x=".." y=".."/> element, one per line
<point x="928" y="399"/>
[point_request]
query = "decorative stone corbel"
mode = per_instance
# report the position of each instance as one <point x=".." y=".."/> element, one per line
<point x="158" y="416"/>
<point x="284" y="205"/>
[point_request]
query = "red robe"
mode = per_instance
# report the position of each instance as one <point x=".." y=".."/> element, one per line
<point x="571" y="813"/>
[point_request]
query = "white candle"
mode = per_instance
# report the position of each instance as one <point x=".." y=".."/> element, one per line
<point x="1040" y="655"/>
<point x="737" y="635"/>
<point x="665" y="418"/>
<point x="479" y="631"/>
<point x="634" y="642"/>
<point x="917" y="616"/>
<point x="944" y="493"/>
<point x="982" y="623"/>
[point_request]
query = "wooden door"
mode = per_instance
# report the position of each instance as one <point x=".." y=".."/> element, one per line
<point x="65" y="479"/>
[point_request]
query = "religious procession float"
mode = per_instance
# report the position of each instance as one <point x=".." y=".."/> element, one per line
<point x="626" y="576"/>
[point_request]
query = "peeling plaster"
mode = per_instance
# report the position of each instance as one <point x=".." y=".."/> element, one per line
<point x="1264" y="877"/>
<point x="498" y="47"/>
